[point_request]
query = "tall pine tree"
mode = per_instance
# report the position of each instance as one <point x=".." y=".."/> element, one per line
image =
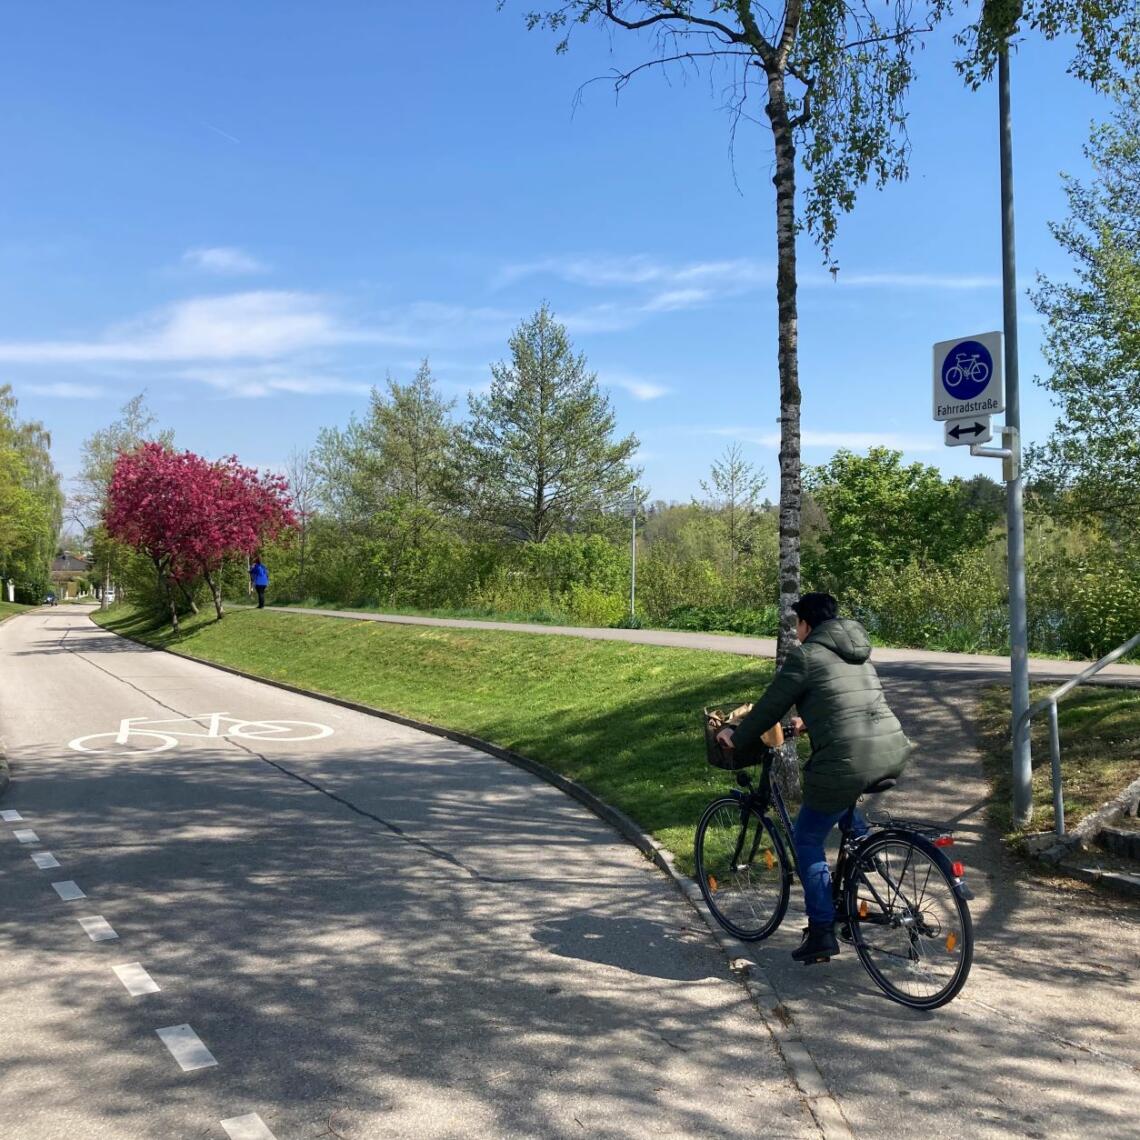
<point x="541" y="447"/>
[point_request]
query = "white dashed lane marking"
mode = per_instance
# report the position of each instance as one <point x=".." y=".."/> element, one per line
<point x="45" y="860"/>
<point x="98" y="928"/>
<point x="11" y="816"/>
<point x="186" y="1047"/>
<point x="24" y="835"/>
<point x="136" y="979"/>
<point x="68" y="890"/>
<point x="249" y="1127"/>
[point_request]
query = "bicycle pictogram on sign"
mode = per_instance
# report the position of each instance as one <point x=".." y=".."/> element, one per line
<point x="966" y="370"/>
<point x="144" y="735"/>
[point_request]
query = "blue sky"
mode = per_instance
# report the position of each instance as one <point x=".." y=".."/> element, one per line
<point x="255" y="211"/>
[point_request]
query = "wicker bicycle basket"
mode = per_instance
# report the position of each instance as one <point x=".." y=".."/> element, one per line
<point x="737" y="758"/>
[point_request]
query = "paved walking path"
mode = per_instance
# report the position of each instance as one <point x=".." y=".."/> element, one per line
<point x="983" y="666"/>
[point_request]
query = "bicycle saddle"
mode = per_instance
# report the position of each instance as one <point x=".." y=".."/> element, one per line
<point x="883" y="785"/>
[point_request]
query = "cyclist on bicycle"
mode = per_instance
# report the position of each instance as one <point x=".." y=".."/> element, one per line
<point x="855" y="741"/>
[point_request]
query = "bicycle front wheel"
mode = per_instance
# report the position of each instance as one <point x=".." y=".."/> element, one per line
<point x="280" y="730"/>
<point x="911" y="930"/>
<point x="742" y="869"/>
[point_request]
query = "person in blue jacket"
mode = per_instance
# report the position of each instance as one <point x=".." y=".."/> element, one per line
<point x="259" y="576"/>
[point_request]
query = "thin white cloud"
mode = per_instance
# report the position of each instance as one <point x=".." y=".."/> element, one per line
<point x="433" y="324"/>
<point x="637" y="387"/>
<point x="218" y="130"/>
<point x="639" y="270"/>
<point x="225" y="260"/>
<point x="66" y="391"/>
<point x="852" y="440"/>
<point x="602" y="318"/>
<point x="617" y="316"/>
<point x="957" y="281"/>
<point x="673" y="299"/>
<point x="260" y="381"/>
<point x="235" y="326"/>
<point x="726" y="276"/>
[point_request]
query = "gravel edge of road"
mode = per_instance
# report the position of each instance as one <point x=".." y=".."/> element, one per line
<point x="798" y="1061"/>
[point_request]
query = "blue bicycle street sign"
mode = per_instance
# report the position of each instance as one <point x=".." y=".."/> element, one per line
<point x="967" y="377"/>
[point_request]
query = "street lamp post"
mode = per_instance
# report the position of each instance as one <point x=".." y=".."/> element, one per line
<point x="630" y="505"/>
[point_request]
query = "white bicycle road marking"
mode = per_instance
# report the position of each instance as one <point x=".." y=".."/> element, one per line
<point x="162" y="735"/>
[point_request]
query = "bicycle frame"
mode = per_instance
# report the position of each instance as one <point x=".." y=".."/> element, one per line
<point x="899" y="900"/>
<point x="768" y="794"/>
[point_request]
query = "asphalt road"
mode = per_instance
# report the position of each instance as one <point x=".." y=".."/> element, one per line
<point x="451" y="948"/>
<point x="377" y="933"/>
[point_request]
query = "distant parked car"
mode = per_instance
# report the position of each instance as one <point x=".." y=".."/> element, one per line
<point x="49" y="599"/>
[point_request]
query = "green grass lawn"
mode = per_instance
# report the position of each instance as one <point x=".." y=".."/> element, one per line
<point x="1100" y="752"/>
<point x="7" y="609"/>
<point x="622" y="719"/>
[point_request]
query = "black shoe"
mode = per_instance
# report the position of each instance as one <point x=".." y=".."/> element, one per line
<point x="819" y="944"/>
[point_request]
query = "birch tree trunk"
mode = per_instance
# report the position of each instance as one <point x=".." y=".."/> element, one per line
<point x="790" y="482"/>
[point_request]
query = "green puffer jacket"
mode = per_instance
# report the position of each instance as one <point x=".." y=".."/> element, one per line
<point x="855" y="738"/>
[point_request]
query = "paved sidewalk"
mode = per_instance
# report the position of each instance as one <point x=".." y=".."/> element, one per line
<point x="984" y="666"/>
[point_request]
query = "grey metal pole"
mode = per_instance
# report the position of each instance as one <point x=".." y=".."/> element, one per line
<point x="1015" y="506"/>
<point x="633" y="568"/>
<point x="1055" y="757"/>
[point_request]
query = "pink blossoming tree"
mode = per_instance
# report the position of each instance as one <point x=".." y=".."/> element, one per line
<point x="189" y="515"/>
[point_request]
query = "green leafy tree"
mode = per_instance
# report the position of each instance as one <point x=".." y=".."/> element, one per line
<point x="882" y="515"/>
<point x="1105" y="35"/>
<point x="31" y="503"/>
<point x="832" y="77"/>
<point x="390" y="480"/>
<point x="87" y="503"/>
<point x="301" y="474"/>
<point x="540" y="446"/>
<point x="1090" y="465"/>
<point x="733" y="493"/>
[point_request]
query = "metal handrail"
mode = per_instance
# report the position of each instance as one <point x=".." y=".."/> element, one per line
<point x="1050" y="703"/>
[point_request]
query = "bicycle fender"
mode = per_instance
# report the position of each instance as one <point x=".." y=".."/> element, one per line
<point x="936" y="853"/>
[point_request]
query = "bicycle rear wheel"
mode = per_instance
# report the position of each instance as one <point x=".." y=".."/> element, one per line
<point x="742" y="869"/>
<point x="910" y="929"/>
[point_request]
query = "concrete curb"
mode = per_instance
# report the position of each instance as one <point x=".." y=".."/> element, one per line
<point x="797" y="1058"/>
<point x="1119" y="881"/>
<point x="1064" y="853"/>
<point x="5" y="769"/>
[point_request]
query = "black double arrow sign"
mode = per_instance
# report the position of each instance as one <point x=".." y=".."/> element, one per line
<point x="957" y="431"/>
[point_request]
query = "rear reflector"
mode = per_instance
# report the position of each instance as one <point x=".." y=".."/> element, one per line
<point x="959" y="869"/>
<point x="944" y="841"/>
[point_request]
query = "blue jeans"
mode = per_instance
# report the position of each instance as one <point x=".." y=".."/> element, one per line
<point x="809" y="836"/>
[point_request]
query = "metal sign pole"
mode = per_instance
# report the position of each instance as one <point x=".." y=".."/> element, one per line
<point x="1015" y="507"/>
